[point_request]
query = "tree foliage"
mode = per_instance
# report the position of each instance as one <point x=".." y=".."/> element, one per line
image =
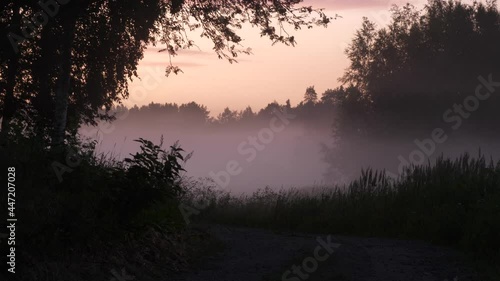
<point x="228" y="116"/>
<point x="437" y="52"/>
<point x="310" y="96"/>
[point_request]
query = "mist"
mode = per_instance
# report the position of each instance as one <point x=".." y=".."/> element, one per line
<point x="281" y="146"/>
<point x="289" y="156"/>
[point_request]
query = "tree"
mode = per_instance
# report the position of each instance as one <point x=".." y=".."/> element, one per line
<point x="72" y="58"/>
<point x="10" y="64"/>
<point x="310" y="96"/>
<point x="333" y="96"/>
<point x="227" y="116"/>
<point x="269" y="110"/>
<point x="193" y="112"/>
<point x="247" y="114"/>
<point x="170" y="108"/>
<point x="425" y="59"/>
<point x="401" y="76"/>
<point x="360" y="53"/>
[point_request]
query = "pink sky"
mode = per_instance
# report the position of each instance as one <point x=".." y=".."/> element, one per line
<point x="270" y="73"/>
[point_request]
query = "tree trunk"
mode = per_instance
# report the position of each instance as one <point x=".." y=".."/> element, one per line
<point x="9" y="105"/>
<point x="63" y="88"/>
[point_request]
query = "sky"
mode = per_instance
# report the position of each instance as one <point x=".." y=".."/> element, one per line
<point x="270" y="73"/>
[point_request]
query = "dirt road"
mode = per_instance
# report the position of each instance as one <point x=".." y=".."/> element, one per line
<point x="261" y="255"/>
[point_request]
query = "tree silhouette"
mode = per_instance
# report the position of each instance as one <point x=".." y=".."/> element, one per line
<point x="227" y="116"/>
<point x="193" y="112"/>
<point x="424" y="61"/>
<point x="247" y="114"/>
<point x="310" y="96"/>
<point x="360" y="52"/>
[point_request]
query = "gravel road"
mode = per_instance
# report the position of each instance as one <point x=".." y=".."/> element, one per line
<point x="262" y="255"/>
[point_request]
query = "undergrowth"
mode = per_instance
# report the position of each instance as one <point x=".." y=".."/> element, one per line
<point x="83" y="215"/>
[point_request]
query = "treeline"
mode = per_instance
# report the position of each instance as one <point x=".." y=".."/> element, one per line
<point x="312" y="110"/>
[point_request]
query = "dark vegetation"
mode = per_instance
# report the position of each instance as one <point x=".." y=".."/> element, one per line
<point x="104" y="215"/>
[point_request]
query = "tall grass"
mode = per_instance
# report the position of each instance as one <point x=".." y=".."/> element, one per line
<point x="451" y="202"/>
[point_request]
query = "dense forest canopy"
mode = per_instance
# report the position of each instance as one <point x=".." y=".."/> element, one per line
<point x="425" y="61"/>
